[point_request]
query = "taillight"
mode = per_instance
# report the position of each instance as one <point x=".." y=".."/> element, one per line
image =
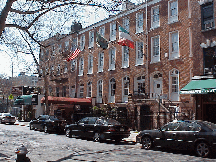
<point x="111" y="129"/>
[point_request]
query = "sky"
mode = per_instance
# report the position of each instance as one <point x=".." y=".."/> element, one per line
<point x="8" y="58"/>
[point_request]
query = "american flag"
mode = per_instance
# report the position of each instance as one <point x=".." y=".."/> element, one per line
<point x="74" y="54"/>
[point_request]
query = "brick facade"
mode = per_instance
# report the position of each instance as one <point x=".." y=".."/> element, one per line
<point x="187" y="62"/>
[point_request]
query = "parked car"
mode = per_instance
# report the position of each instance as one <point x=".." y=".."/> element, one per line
<point x="98" y="128"/>
<point x="195" y="135"/>
<point x="7" y="118"/>
<point x="47" y="124"/>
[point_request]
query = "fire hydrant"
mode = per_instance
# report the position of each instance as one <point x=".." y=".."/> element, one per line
<point x="21" y="152"/>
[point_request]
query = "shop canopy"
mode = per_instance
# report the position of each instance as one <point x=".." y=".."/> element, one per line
<point x="202" y="86"/>
<point x="67" y="100"/>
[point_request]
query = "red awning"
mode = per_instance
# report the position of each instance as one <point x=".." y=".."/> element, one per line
<point x="67" y="100"/>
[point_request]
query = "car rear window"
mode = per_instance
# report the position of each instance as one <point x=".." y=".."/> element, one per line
<point x="7" y="114"/>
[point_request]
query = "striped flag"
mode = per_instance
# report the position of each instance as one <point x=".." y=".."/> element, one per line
<point x="74" y="55"/>
<point x="125" y="38"/>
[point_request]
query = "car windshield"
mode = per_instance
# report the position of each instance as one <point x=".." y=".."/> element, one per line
<point x="7" y="115"/>
<point x="210" y="125"/>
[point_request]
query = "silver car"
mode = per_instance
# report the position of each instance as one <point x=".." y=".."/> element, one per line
<point x="7" y="118"/>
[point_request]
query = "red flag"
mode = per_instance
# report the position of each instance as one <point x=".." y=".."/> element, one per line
<point x="74" y="54"/>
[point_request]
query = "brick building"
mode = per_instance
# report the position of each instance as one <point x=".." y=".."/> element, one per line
<point x="143" y="83"/>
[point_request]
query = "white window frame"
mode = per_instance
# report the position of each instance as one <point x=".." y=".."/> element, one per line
<point x="73" y="91"/>
<point x="174" y="85"/>
<point x="89" y="89"/>
<point x="174" y="53"/>
<point x="139" y="53"/>
<point x="99" y="91"/>
<point x="100" y="61"/>
<point x="112" y="31"/>
<point x="90" y="64"/>
<point x="112" y="58"/>
<point x="81" y="90"/>
<point x="82" y="42"/>
<point x="91" y="39"/>
<point x="154" y="15"/>
<point x="126" y="24"/>
<point x="125" y="56"/>
<point x="155" y="57"/>
<point x="74" y="44"/>
<point x="139" y="22"/>
<point x="172" y="18"/>
<point x="125" y="88"/>
<point x="81" y="66"/>
<point x="112" y="90"/>
<point x="101" y="31"/>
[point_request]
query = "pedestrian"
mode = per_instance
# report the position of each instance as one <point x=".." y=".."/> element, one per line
<point x="177" y="111"/>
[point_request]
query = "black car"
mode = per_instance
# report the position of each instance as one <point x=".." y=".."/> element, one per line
<point x="47" y="124"/>
<point x="195" y="135"/>
<point x="98" y="128"/>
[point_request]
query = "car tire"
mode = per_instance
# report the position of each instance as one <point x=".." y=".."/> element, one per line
<point x="147" y="143"/>
<point x="202" y="149"/>
<point x="96" y="137"/>
<point x="31" y="127"/>
<point x="68" y="133"/>
<point x="46" y="130"/>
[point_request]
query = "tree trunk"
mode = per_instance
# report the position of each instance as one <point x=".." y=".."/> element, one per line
<point x="4" y="14"/>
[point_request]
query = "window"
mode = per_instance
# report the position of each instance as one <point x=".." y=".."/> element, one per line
<point x="139" y="83"/>
<point x="126" y="83"/>
<point x="73" y="91"/>
<point x="155" y="17"/>
<point x="112" y="59"/>
<point x="81" y="66"/>
<point x="74" y="44"/>
<point x="173" y="11"/>
<point x="64" y="91"/>
<point x="125" y="56"/>
<point x="100" y="91"/>
<point x="155" y="51"/>
<point x="67" y="45"/>
<point x="82" y="42"/>
<point x="81" y="91"/>
<point x="112" y="88"/>
<point x="89" y="89"/>
<point x="207" y="16"/>
<point x="58" y="69"/>
<point x="139" y="22"/>
<point x="90" y="64"/>
<point x="102" y="31"/>
<point x="57" y="91"/>
<point x="52" y="70"/>
<point x="60" y="48"/>
<point x="65" y="68"/>
<point x="113" y="31"/>
<point x="91" y="39"/>
<point x="73" y="65"/>
<point x="126" y="24"/>
<point x="139" y="53"/>
<point x="174" y="85"/>
<point x="174" y="45"/>
<point x="100" y="61"/>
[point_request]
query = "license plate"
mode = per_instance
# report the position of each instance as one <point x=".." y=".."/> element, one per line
<point x="121" y="129"/>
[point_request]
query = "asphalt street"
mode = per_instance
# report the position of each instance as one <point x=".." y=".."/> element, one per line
<point x="44" y="147"/>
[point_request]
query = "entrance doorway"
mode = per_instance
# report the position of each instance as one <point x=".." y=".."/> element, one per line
<point x="209" y="113"/>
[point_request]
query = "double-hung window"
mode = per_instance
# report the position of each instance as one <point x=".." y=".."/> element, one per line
<point x="74" y="44"/>
<point x="155" y="17"/>
<point x="67" y="45"/>
<point x="207" y="16"/>
<point x="125" y="56"/>
<point x="155" y="51"/>
<point x="73" y="91"/>
<point x="91" y="39"/>
<point x="73" y="65"/>
<point x="81" y="90"/>
<point x="126" y="83"/>
<point x="81" y="66"/>
<point x="139" y="53"/>
<point x="174" y="85"/>
<point x="112" y="59"/>
<point x="100" y="61"/>
<point x="173" y="11"/>
<point x="139" y="22"/>
<point x="174" y="45"/>
<point x="89" y="89"/>
<point x="90" y="64"/>
<point x="58" y="69"/>
<point x="82" y="42"/>
<point x="102" y="31"/>
<point x="126" y="24"/>
<point x="100" y="91"/>
<point x="113" y="31"/>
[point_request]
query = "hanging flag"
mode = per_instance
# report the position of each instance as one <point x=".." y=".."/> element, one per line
<point x="74" y="55"/>
<point x="101" y="41"/>
<point x="125" y="38"/>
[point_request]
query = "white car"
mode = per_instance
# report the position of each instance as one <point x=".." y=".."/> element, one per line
<point x="7" y="118"/>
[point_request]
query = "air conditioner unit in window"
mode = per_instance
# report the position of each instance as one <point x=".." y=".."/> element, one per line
<point x="209" y="25"/>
